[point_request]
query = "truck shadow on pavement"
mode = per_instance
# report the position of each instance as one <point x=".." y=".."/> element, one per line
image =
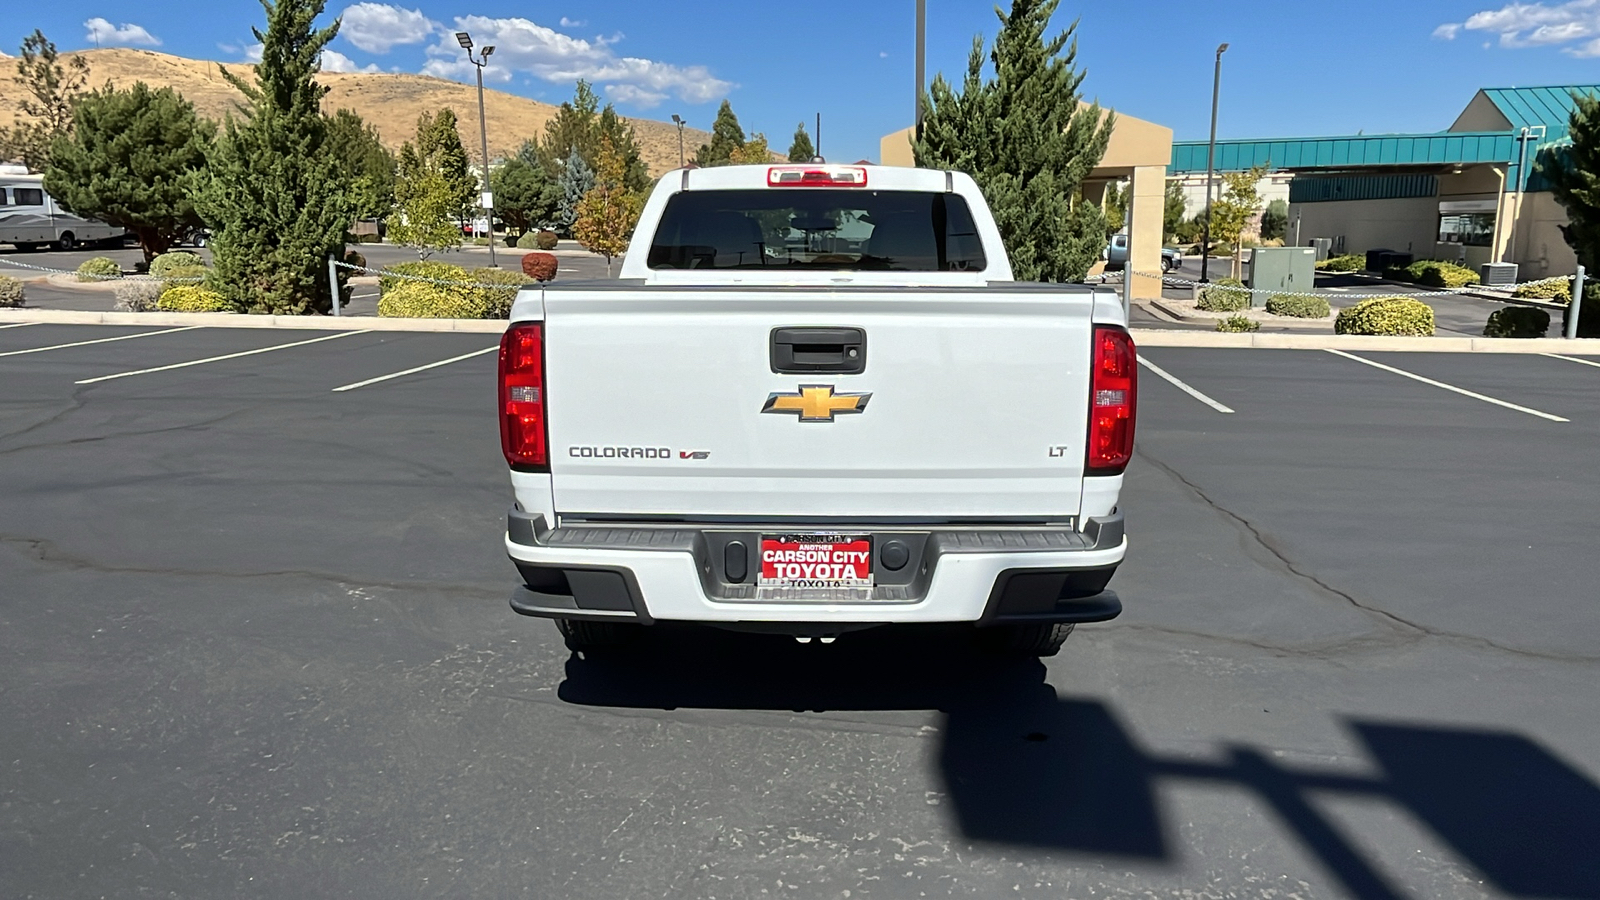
<point x="1023" y="766"/>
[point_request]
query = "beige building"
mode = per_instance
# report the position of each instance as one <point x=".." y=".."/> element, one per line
<point x="1138" y="153"/>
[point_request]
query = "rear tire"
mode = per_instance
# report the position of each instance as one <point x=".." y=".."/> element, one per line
<point x="68" y="241"/>
<point x="1039" y="639"/>
<point x="583" y="636"/>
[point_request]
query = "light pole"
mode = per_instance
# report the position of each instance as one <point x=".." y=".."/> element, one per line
<point x="922" y="52"/>
<point x="487" y="200"/>
<point x="679" y="122"/>
<point x="1211" y="159"/>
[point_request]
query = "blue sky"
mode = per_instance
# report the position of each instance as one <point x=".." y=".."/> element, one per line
<point x="1294" y="69"/>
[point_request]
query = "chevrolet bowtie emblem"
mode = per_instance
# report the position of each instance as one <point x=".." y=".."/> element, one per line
<point x="816" y="403"/>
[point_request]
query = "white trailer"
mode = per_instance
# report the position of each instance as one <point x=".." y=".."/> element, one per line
<point x="31" y="218"/>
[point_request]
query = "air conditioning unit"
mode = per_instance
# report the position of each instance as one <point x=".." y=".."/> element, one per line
<point x="1498" y="274"/>
<point x="1322" y="246"/>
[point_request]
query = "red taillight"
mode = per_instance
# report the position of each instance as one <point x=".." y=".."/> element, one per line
<point x="1113" y="398"/>
<point x="816" y="176"/>
<point x="523" y="428"/>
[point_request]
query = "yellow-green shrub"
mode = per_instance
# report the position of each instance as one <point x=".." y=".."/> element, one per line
<point x="192" y="298"/>
<point x="185" y="274"/>
<point x="421" y="300"/>
<point x="495" y="302"/>
<point x="1238" y="324"/>
<point x="1218" y="297"/>
<point x="438" y="271"/>
<point x="1443" y="274"/>
<point x="100" y="268"/>
<point x="1298" y="307"/>
<point x="1350" y="262"/>
<point x="1557" y="289"/>
<point x="1386" y="315"/>
<point x="160" y="266"/>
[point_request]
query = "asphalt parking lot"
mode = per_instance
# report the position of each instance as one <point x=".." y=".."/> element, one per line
<point x="256" y="643"/>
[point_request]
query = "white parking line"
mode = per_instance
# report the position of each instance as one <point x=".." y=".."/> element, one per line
<point x="1581" y="362"/>
<point x="1449" y="387"/>
<point x="212" y="359"/>
<point x="125" y="337"/>
<point x="17" y="325"/>
<point x="1184" y="387"/>
<point x="434" y="365"/>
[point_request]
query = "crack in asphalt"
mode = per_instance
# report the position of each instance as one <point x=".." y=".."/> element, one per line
<point x="1399" y="623"/>
<point x="76" y="403"/>
<point x="69" y="442"/>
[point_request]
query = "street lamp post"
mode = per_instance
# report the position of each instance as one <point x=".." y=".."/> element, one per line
<point x="678" y="120"/>
<point x="1211" y="159"/>
<point x="922" y="52"/>
<point x="487" y="200"/>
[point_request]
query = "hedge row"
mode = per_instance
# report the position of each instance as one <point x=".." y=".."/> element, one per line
<point x="1557" y="289"/>
<point x="1386" y="315"/>
<point x="1350" y="262"/>
<point x="1433" y="273"/>
<point x="404" y="298"/>
<point x="1298" y="307"/>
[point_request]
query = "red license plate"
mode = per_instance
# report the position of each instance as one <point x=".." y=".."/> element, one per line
<point x="816" y="560"/>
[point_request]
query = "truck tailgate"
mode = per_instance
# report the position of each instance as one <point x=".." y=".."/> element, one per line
<point x="664" y="402"/>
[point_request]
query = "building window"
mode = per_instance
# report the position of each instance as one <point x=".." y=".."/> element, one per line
<point x="1471" y="229"/>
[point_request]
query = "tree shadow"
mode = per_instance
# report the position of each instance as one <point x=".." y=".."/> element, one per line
<point x="1025" y="767"/>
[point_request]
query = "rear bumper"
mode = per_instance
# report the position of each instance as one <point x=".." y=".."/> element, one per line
<point x="985" y="577"/>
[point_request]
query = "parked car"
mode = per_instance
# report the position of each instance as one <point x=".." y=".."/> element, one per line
<point x="1116" y="255"/>
<point x="695" y="441"/>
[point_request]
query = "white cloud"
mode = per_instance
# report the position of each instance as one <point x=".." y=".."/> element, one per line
<point x="104" y="33"/>
<point x="334" y="61"/>
<point x="522" y="46"/>
<point x="1520" y="25"/>
<point x="883" y="54"/>
<point x="571" y="23"/>
<point x="634" y="95"/>
<point x="252" y="52"/>
<point x="377" y="27"/>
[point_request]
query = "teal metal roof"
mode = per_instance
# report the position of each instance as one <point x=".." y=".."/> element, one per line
<point x="1351" y="151"/>
<point x="1531" y="107"/>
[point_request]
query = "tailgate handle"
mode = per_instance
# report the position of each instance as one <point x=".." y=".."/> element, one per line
<point x="819" y="351"/>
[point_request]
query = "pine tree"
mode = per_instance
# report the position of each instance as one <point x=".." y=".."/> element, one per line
<point x="438" y="151"/>
<point x="1173" y="209"/>
<point x="1275" y="220"/>
<point x="278" y="204"/>
<point x="1574" y="174"/>
<point x="726" y="137"/>
<point x="524" y="195"/>
<point x="801" y="150"/>
<point x="609" y="211"/>
<point x="575" y="181"/>
<point x="132" y="161"/>
<point x="614" y="128"/>
<point x="54" y="88"/>
<point x="367" y="163"/>
<point x="1024" y="139"/>
<point x="755" y="151"/>
<point x="572" y="128"/>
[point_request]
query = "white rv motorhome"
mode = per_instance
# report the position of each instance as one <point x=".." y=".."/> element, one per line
<point x="30" y="218"/>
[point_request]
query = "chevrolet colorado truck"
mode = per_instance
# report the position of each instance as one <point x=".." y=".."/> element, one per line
<point x="815" y="401"/>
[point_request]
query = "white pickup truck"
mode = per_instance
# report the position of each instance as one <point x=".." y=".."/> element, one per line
<point x="815" y="402"/>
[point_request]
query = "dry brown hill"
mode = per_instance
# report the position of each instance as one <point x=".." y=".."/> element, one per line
<point x="392" y="102"/>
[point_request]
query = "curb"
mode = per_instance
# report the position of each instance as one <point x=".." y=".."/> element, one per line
<point x="237" y="320"/>
<point x="1350" y="342"/>
<point x="1276" y="321"/>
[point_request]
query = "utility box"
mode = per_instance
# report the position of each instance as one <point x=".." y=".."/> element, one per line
<point x="1323" y="246"/>
<point x="1497" y="274"/>
<point x="1281" y="270"/>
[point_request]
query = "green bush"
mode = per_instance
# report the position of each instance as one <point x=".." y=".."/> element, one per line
<point x="528" y="241"/>
<point x="1219" y="298"/>
<point x="1517" y="322"/>
<point x="1238" y="324"/>
<point x="546" y="240"/>
<point x="1350" y="262"/>
<point x="101" y="268"/>
<point x="495" y="302"/>
<point x="1557" y="289"/>
<point x="439" y="271"/>
<point x="1386" y="315"/>
<point x="420" y="300"/>
<point x="177" y="259"/>
<point x="11" y="291"/>
<point x="1298" y="307"/>
<point x="355" y="258"/>
<point x="192" y="298"/>
<point x="185" y="274"/>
